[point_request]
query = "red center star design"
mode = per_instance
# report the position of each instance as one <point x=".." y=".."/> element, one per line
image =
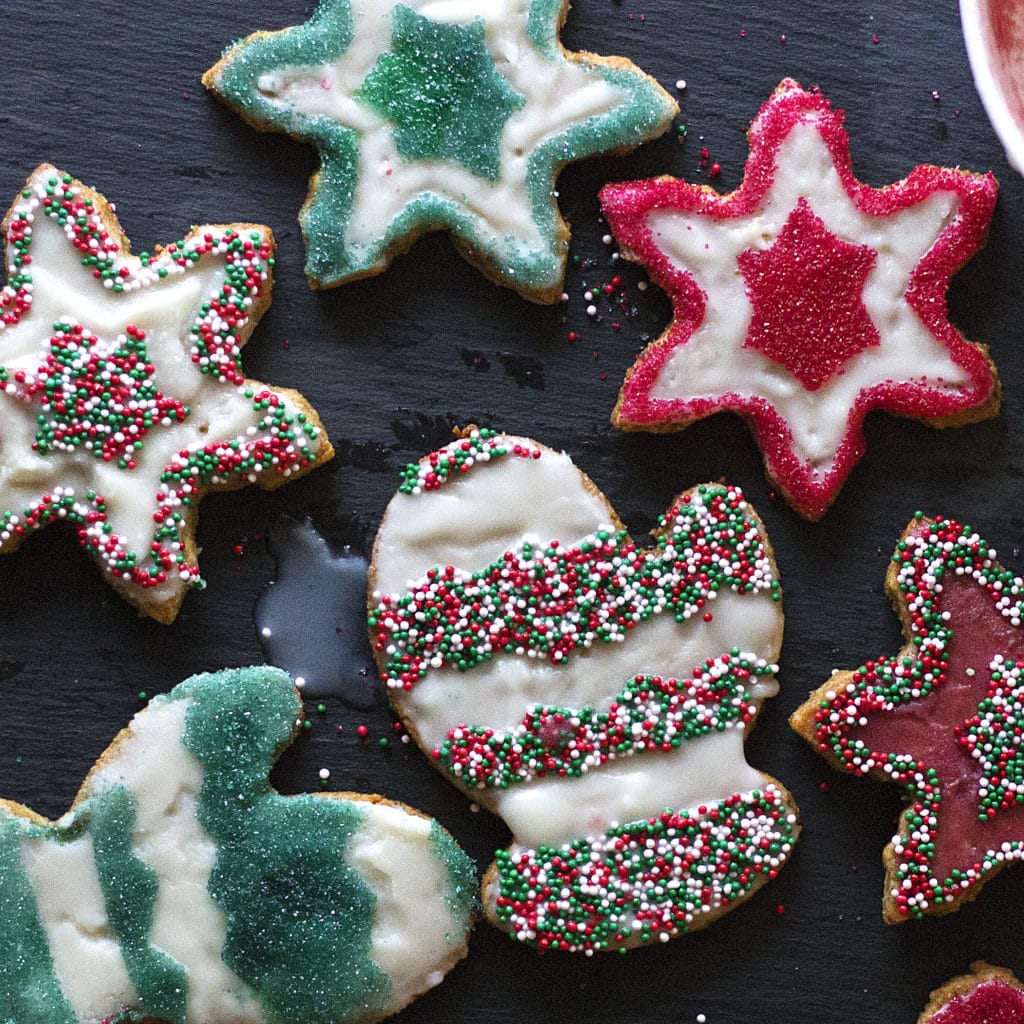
<point x="805" y="299"/>
<point x="805" y="291"/>
<point x="942" y="718"/>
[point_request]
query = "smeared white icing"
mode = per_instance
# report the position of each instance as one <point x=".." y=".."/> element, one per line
<point x="85" y="952"/>
<point x="165" y="779"/>
<point x="555" y="810"/>
<point x="393" y="853"/>
<point x="475" y="518"/>
<point x="497" y="694"/>
<point x="714" y="362"/>
<point x="558" y="94"/>
<point x="63" y="290"/>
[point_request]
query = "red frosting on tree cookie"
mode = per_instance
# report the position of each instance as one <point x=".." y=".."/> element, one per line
<point x="805" y="299"/>
<point x="944" y="718"/>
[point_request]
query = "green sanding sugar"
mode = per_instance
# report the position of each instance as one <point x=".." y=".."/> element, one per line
<point x="462" y="893"/>
<point x="290" y="899"/>
<point x="440" y="87"/>
<point x="30" y="988"/>
<point x="129" y="892"/>
<point x="446" y="94"/>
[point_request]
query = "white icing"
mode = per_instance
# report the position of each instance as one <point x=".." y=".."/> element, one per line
<point x="557" y="94"/>
<point x="64" y="290"/>
<point x="165" y="779"/>
<point x="415" y="937"/>
<point x="475" y="518"/>
<point x="414" y="933"/>
<point x="470" y="521"/>
<point x="498" y="693"/>
<point x="556" y="810"/>
<point x="715" y="363"/>
<point x="85" y="952"/>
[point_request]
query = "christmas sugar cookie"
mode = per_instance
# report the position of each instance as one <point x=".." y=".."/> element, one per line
<point x="942" y="718"/>
<point x="181" y="887"/>
<point x="806" y="299"/>
<point x="435" y="116"/>
<point x="122" y="395"/>
<point x="987" y="995"/>
<point x="594" y="694"/>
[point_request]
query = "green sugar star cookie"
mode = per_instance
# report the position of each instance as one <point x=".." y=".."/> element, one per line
<point x="428" y="118"/>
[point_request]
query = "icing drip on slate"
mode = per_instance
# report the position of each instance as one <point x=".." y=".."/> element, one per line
<point x="310" y="620"/>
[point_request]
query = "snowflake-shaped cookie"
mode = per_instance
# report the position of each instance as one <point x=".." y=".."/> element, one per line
<point x="431" y="115"/>
<point x="805" y="299"/>
<point x="122" y="396"/>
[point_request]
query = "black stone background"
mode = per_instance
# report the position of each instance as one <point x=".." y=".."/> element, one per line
<point x="110" y="92"/>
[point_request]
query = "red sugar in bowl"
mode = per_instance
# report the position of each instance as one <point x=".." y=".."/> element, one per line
<point x="994" y="34"/>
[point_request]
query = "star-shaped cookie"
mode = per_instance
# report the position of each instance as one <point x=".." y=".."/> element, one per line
<point x="805" y="299"/>
<point x="429" y="116"/>
<point x="943" y="718"/>
<point x="122" y="396"/>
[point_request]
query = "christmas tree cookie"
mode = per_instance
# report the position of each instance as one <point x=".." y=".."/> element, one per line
<point x="430" y="116"/>
<point x="806" y="299"/>
<point x="593" y="693"/>
<point x="122" y="395"/>
<point x="181" y="887"/>
<point x="942" y="718"/>
<point x="987" y="995"/>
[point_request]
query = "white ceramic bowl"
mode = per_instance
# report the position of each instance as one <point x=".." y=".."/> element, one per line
<point x="994" y="33"/>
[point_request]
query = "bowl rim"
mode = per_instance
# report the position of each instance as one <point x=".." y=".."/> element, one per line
<point x="1007" y="127"/>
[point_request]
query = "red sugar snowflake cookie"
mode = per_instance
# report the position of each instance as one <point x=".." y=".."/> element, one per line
<point x="805" y="299"/>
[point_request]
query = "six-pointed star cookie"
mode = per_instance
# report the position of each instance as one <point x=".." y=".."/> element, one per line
<point x="805" y="299"/>
<point x="122" y="397"/>
<point x="943" y="718"/>
<point x="433" y="115"/>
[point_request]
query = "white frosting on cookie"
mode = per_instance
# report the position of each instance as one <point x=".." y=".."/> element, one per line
<point x="86" y="955"/>
<point x="417" y="931"/>
<point x="714" y="362"/>
<point x="463" y="524"/>
<point x="558" y="94"/>
<point x="392" y="852"/>
<point x="165" y="779"/>
<point x="65" y="291"/>
<point x="497" y="694"/>
<point x="468" y="522"/>
<point x="553" y="810"/>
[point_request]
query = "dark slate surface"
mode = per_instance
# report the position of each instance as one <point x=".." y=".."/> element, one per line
<point x="111" y="93"/>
